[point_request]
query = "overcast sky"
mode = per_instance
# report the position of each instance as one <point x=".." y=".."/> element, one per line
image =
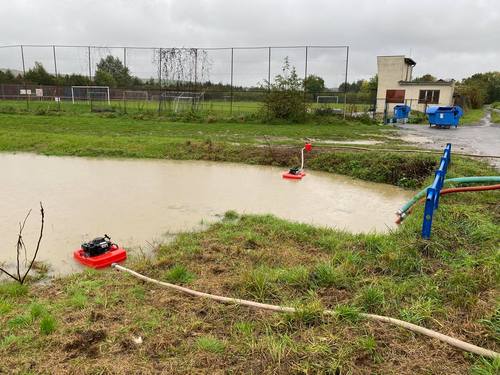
<point x="447" y="38"/>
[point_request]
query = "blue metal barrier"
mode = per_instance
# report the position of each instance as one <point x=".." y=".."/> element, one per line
<point x="432" y="199"/>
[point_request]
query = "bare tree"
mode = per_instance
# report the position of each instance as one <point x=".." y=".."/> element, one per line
<point x="21" y="246"/>
<point x="183" y="65"/>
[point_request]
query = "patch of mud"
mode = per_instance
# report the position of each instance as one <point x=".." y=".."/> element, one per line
<point x="85" y="343"/>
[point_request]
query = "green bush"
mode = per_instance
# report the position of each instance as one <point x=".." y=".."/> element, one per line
<point x="285" y="100"/>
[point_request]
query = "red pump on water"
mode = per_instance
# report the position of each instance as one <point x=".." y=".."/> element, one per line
<point x="297" y="173"/>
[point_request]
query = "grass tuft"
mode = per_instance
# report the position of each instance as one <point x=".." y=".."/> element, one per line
<point x="48" y="324"/>
<point x="210" y="344"/>
<point x="178" y="274"/>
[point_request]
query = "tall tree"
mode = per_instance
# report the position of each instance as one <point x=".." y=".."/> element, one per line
<point x="39" y="75"/>
<point x="314" y="85"/>
<point x="111" y="72"/>
<point x="426" y="78"/>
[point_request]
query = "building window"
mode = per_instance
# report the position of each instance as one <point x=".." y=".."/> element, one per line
<point x="395" y="96"/>
<point x="428" y="96"/>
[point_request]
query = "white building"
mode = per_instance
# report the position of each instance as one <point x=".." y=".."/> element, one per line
<point x="395" y="86"/>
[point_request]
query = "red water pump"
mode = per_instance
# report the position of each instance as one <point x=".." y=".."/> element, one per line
<point x="296" y="173"/>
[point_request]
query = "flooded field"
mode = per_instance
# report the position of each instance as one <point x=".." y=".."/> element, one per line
<point x="138" y="202"/>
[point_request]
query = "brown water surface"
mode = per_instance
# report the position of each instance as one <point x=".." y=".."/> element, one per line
<point x="143" y="201"/>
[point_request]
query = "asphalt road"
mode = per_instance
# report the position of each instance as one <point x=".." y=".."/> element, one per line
<point x="482" y="138"/>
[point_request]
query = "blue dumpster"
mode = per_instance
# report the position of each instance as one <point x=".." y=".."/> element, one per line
<point x="401" y="111"/>
<point x="444" y="116"/>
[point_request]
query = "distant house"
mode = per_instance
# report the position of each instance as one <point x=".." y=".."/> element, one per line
<point x="395" y="86"/>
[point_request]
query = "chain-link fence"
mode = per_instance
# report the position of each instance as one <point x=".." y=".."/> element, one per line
<point x="229" y="80"/>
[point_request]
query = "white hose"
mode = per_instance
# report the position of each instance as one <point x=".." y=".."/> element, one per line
<point x="264" y="306"/>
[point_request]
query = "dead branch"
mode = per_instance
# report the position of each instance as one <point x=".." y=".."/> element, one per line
<point x="20" y="245"/>
<point x="42" y="214"/>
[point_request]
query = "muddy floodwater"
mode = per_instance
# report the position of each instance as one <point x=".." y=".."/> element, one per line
<point x="138" y="202"/>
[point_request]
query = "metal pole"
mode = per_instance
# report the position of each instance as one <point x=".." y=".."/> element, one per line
<point x="195" y="78"/>
<point x="269" y="69"/>
<point x="268" y="77"/>
<point x="24" y="79"/>
<point x="195" y="67"/>
<point x="345" y="81"/>
<point x="57" y="80"/>
<point x="232" y="66"/>
<point x="159" y="80"/>
<point x="304" y="83"/>
<point x="90" y="65"/>
<point x="55" y="60"/>
<point x="125" y="57"/>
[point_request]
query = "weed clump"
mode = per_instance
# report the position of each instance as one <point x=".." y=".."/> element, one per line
<point x="178" y="274"/>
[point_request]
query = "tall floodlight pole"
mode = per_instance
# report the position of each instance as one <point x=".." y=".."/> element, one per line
<point x="305" y="78"/>
<point x="345" y="81"/>
<point x="55" y="60"/>
<point x="24" y="79"/>
<point x="159" y="81"/>
<point x="232" y="72"/>
<point x="90" y="65"/>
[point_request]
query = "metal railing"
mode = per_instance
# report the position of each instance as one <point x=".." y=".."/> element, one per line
<point x="433" y="192"/>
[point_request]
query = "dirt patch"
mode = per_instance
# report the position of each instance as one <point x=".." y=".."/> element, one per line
<point x="85" y="343"/>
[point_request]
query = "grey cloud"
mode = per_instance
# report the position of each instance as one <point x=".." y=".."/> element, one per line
<point x="450" y="39"/>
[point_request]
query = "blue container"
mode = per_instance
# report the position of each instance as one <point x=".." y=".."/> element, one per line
<point x="444" y="116"/>
<point x="401" y="111"/>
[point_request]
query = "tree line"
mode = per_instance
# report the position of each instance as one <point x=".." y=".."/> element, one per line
<point x="111" y="72"/>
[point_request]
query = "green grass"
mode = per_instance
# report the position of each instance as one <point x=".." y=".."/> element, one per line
<point x="48" y="324"/>
<point x="210" y="107"/>
<point x="210" y="344"/>
<point x="472" y="116"/>
<point x="495" y="117"/>
<point x="449" y="281"/>
<point x="178" y="274"/>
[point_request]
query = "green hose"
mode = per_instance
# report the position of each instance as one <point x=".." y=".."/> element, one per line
<point x="466" y="180"/>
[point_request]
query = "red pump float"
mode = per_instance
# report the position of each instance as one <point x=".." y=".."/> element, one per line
<point x="297" y="173"/>
<point x="100" y="253"/>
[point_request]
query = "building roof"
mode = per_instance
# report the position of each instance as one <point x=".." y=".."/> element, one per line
<point x="410" y="61"/>
<point x="436" y="83"/>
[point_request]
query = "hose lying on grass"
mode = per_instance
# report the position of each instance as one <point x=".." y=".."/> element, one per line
<point x="264" y="306"/>
<point x="403" y="211"/>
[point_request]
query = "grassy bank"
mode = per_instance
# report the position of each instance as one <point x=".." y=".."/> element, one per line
<point x="472" y="116"/>
<point x="254" y="143"/>
<point x="91" y="322"/>
<point x="495" y="117"/>
<point x="87" y="323"/>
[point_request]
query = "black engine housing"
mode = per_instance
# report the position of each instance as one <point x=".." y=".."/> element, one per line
<point x="97" y="246"/>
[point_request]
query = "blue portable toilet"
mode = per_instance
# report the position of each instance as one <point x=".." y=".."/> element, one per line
<point x="401" y="111"/>
<point x="444" y="116"/>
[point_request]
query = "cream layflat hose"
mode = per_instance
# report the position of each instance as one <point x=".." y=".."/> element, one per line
<point x="264" y="306"/>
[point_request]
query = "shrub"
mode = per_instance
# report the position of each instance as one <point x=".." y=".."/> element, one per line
<point x="285" y="100"/>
